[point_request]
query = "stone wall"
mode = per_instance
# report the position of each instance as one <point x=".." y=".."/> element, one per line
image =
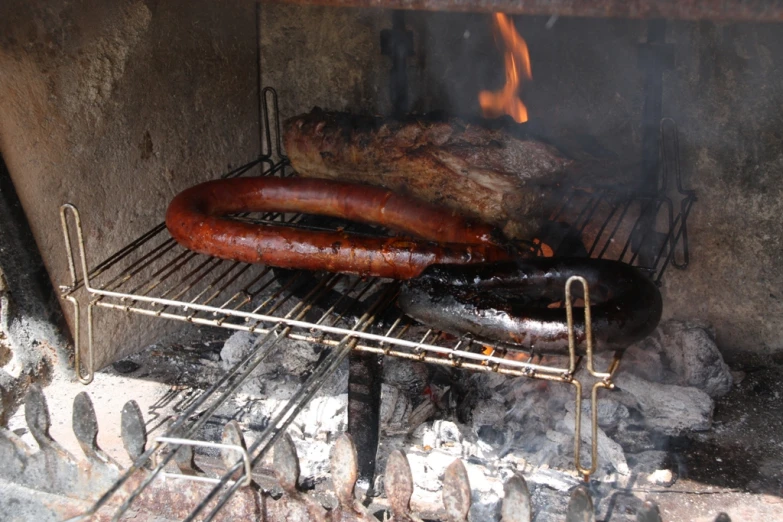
<point x="115" y="107"/>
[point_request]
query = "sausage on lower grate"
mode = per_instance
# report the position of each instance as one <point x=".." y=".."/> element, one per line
<point x="507" y="302"/>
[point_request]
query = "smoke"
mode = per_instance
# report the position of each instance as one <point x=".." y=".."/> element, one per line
<point x="586" y="75"/>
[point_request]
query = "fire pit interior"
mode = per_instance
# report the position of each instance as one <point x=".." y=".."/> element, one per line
<point x="575" y="137"/>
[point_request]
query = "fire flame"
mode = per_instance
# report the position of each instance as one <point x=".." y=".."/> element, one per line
<point x="506" y="100"/>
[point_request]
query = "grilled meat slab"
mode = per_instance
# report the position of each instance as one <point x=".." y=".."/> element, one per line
<point x="481" y="173"/>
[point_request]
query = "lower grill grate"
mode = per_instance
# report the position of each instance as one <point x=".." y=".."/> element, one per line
<point x="156" y="277"/>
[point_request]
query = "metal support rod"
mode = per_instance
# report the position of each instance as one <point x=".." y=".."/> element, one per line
<point x="364" y="405"/>
<point x="277" y="426"/>
<point x="397" y="43"/>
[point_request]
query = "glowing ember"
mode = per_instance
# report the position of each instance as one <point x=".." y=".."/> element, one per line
<point x="518" y="356"/>
<point x="512" y="356"/>
<point x="517" y="60"/>
<point x="541" y="249"/>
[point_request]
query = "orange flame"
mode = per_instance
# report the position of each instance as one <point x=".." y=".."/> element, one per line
<point x="517" y="59"/>
<point x="541" y="249"/>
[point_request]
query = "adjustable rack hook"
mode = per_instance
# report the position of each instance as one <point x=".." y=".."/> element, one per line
<point x="570" y="320"/>
<point x="77" y="345"/>
<point x="64" y="210"/>
<point x="605" y="376"/>
<point x="605" y="379"/>
<point x="672" y="135"/>
<point x="271" y="93"/>
<point x="68" y="208"/>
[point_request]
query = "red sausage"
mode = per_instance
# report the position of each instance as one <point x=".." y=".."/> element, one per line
<point x="195" y="219"/>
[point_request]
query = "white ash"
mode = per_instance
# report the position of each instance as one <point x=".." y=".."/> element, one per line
<point x="499" y="425"/>
<point x="281" y="372"/>
<point x="661" y="477"/>
<point x="528" y="425"/>
<point x="666" y="408"/>
<point x="683" y="353"/>
<point x="273" y="383"/>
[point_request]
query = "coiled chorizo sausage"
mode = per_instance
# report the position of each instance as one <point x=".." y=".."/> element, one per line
<point x="196" y="219"/>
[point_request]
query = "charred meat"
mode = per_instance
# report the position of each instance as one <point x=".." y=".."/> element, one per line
<point x="483" y="173"/>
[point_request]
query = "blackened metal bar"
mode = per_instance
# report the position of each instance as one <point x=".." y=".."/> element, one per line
<point x="150" y="234"/>
<point x="597" y="240"/>
<point x="637" y="226"/>
<point x="566" y="203"/>
<point x="214" y="283"/>
<point x="140" y="264"/>
<point x="246" y="295"/>
<point x="123" y="252"/>
<point x="242" y="269"/>
<point x="364" y="406"/>
<point x="163" y="273"/>
<point x="685" y="210"/>
<point x="643" y="240"/>
<point x="668" y="239"/>
<point x="247" y="166"/>
<point x="397" y="43"/>
<point x="652" y="63"/>
<point x="114" y="258"/>
<point x="354" y="304"/>
<point x="271" y="94"/>
<point x="255" y="356"/>
<point x="677" y="236"/>
<point x="253" y="360"/>
<point x="193" y="278"/>
<point x="590" y="214"/>
<point x="609" y="239"/>
<point x="283" y="288"/>
<point x="670" y="149"/>
<point x="654" y="58"/>
<point x="584" y="211"/>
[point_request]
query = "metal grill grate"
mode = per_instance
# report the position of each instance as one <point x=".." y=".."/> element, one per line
<point x="156" y="277"/>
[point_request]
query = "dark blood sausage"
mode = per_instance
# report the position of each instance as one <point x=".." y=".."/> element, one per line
<point x="196" y="219"/>
<point x="507" y="302"/>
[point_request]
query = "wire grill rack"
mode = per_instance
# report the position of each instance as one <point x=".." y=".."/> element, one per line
<point x="155" y="277"/>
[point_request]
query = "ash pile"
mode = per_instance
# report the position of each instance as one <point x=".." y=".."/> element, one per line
<point x="665" y="388"/>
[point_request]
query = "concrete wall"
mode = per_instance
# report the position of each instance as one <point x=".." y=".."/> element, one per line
<point x="727" y="96"/>
<point x="116" y="106"/>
